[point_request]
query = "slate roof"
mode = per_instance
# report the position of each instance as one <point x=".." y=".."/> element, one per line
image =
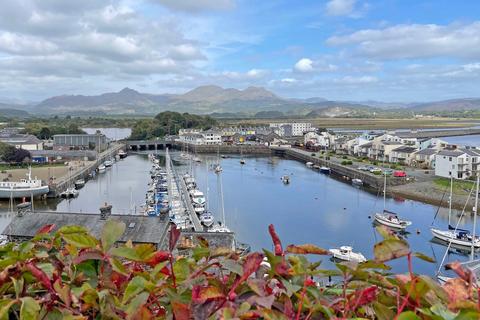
<point x="21" y="139"/>
<point x="450" y="153"/>
<point x="427" y="152"/>
<point x="139" y="229"/>
<point x="471" y="152"/>
<point x="405" y="149"/>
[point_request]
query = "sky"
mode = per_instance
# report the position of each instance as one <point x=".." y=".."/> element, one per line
<point x="350" y="50"/>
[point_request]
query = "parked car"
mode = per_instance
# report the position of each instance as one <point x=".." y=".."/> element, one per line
<point x="363" y="168"/>
<point x="400" y="174"/>
<point x="375" y="170"/>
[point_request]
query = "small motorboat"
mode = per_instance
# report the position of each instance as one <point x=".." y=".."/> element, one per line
<point x="108" y="163"/>
<point x="207" y="219"/>
<point x="197" y="159"/>
<point x="199" y="209"/>
<point x="357" y="182"/>
<point x="122" y="154"/>
<point x="218" y="168"/>
<point x="345" y="253"/>
<point x="79" y="183"/>
<point x="325" y="170"/>
<point x="218" y="228"/>
<point x="69" y="193"/>
<point x="391" y="219"/>
<point x="285" y="179"/>
<point x="197" y="197"/>
<point x="309" y="164"/>
<point x="242" y="161"/>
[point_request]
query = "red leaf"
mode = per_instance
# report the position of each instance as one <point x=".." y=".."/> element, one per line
<point x="465" y="274"/>
<point x="276" y="241"/>
<point x="88" y="254"/>
<point x="181" y="311"/>
<point x="174" y="236"/>
<point x="251" y="265"/>
<point x="118" y="279"/>
<point x="158" y="257"/>
<point x="365" y="296"/>
<point x="202" y="294"/>
<point x="46" y="229"/>
<point x="40" y="275"/>
<point x="306" y="249"/>
<point x="282" y="269"/>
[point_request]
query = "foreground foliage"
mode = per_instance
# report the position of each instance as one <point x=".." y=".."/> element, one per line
<point x="70" y="274"/>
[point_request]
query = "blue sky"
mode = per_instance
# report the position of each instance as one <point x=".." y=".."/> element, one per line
<point x="388" y="50"/>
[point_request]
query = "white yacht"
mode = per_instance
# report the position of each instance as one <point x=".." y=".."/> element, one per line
<point x="391" y="219"/>
<point x="24" y="188"/>
<point x="197" y="197"/>
<point x="346" y="253"/>
<point x="457" y="236"/>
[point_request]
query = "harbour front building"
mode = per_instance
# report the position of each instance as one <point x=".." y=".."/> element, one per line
<point x="97" y="141"/>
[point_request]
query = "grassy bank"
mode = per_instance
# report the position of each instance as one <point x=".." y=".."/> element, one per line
<point x="4" y="167"/>
<point x="459" y="187"/>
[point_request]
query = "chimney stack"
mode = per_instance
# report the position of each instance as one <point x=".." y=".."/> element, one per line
<point x="105" y="211"/>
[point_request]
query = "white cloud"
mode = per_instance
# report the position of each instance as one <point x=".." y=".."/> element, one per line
<point x="340" y="7"/>
<point x="304" y="65"/>
<point x="356" y="80"/>
<point x="197" y="5"/>
<point x="288" y="80"/>
<point x="257" y="73"/>
<point x="415" y="41"/>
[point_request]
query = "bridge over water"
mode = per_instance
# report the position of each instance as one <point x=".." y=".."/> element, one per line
<point x="154" y="144"/>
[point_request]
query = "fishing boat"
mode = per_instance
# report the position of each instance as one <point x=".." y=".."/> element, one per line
<point x="455" y="235"/>
<point x="122" y="154"/>
<point x="325" y="170"/>
<point x="24" y="188"/>
<point x="389" y="218"/>
<point x="206" y="219"/>
<point x="346" y="253"/>
<point x="69" y="193"/>
<point x="285" y="179"/>
<point x="357" y="182"/>
<point x="79" y="183"/>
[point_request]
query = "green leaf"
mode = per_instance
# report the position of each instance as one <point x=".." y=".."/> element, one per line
<point x="181" y="269"/>
<point x="29" y="309"/>
<point x="136" y="304"/>
<point x="18" y="286"/>
<point x="5" y="308"/>
<point x="72" y="229"/>
<point x="80" y="240"/>
<point x="382" y="312"/>
<point x="117" y="266"/>
<point x="134" y="287"/>
<point x="128" y="253"/>
<point x="112" y="231"/>
<point x="200" y="252"/>
<point x="408" y="315"/>
<point x="424" y="257"/>
<point x="390" y="249"/>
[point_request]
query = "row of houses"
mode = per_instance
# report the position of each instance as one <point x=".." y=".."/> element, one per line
<point x="431" y="153"/>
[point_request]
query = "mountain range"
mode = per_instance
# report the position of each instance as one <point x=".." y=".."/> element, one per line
<point x="219" y="101"/>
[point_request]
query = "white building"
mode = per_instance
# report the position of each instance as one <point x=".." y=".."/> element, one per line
<point x="323" y="139"/>
<point x="291" y="129"/>
<point x="23" y="141"/>
<point x="211" y="137"/>
<point x="198" y="137"/>
<point x="459" y="163"/>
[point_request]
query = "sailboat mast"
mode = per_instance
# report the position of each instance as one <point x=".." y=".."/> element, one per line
<point x="450" y="200"/>
<point x="222" y="202"/>
<point x="475" y="212"/>
<point x="384" y="190"/>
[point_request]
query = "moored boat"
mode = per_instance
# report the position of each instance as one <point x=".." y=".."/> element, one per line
<point x="108" y="163"/>
<point x="357" y="182"/>
<point x="457" y="236"/>
<point x="391" y="219"/>
<point x="309" y="164"/>
<point x="325" y="170"/>
<point x="285" y="179"/>
<point x="79" y="183"/>
<point x="122" y="154"/>
<point x="101" y="168"/>
<point x="206" y="219"/>
<point x="346" y="253"/>
<point x="24" y="188"/>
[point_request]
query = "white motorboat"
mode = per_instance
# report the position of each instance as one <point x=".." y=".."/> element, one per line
<point x="197" y="197"/>
<point x="391" y="219"/>
<point x="218" y="228"/>
<point x="459" y="237"/>
<point x="199" y="209"/>
<point x="218" y="168"/>
<point x="206" y="219"/>
<point x="79" y="183"/>
<point x="346" y="253"/>
<point x="242" y="161"/>
<point x="69" y="193"/>
<point x="325" y="170"/>
<point x="309" y="164"/>
<point x="357" y="182"/>
<point x="24" y="188"/>
<point x="197" y="159"/>
<point x="285" y="179"/>
<point x="122" y="154"/>
<point x="108" y="163"/>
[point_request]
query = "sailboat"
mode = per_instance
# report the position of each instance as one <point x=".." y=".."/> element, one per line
<point x="472" y="265"/>
<point x="389" y="218"/>
<point x="218" y="168"/>
<point x="457" y="236"/>
<point x="221" y="226"/>
<point x="242" y="161"/>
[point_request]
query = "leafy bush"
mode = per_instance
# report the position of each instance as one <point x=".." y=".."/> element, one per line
<point x="347" y="162"/>
<point x="344" y="157"/>
<point x="72" y="275"/>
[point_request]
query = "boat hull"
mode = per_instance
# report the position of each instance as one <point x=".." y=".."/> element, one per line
<point x="23" y="192"/>
<point x="449" y="236"/>
<point x="391" y="224"/>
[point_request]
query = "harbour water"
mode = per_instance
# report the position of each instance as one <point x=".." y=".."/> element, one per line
<point x="313" y="208"/>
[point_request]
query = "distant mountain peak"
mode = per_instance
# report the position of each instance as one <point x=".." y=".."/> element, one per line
<point x="128" y="90"/>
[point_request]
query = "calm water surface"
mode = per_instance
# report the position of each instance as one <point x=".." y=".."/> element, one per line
<point x="314" y="208"/>
<point x="472" y="140"/>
